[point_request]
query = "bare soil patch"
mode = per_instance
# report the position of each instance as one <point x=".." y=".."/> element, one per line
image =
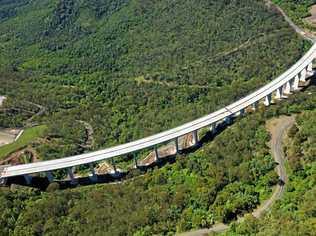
<point x="8" y="136"/>
<point x="312" y="19"/>
<point x="20" y="156"/>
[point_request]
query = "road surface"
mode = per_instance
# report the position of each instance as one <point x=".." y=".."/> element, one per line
<point x="277" y="128"/>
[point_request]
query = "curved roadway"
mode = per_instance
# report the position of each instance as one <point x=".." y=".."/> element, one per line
<point x="168" y="135"/>
<point x="173" y="134"/>
<point x="278" y="132"/>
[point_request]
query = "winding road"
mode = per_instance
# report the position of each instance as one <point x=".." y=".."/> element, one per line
<point x="277" y="128"/>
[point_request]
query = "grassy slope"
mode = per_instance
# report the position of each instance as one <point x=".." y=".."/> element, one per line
<point x="27" y="137"/>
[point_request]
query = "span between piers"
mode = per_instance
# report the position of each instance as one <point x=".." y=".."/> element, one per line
<point x="286" y="83"/>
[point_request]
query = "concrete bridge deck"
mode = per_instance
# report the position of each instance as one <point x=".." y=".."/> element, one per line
<point x="284" y="84"/>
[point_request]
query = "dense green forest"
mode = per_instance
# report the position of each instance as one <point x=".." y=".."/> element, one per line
<point x="227" y="177"/>
<point x="133" y="68"/>
<point x="295" y="213"/>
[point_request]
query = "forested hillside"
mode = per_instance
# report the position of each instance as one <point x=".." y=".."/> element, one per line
<point x="132" y="68"/>
<point x="295" y="213"/>
<point x="225" y="178"/>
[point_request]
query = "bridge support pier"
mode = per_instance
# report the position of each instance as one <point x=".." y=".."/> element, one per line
<point x="49" y="176"/>
<point x="267" y="100"/>
<point x="114" y="166"/>
<point x="93" y="177"/>
<point x="176" y="142"/>
<point x="3" y="181"/>
<point x="228" y="120"/>
<point x="195" y="138"/>
<point x="213" y="128"/>
<point x="255" y="106"/>
<point x="303" y="76"/>
<point x="310" y="69"/>
<point x="279" y="93"/>
<point x="135" y="160"/>
<point x="73" y="181"/>
<point x="156" y="154"/>
<point x="242" y="112"/>
<point x="296" y="83"/>
<point x="28" y="179"/>
<point x="288" y="87"/>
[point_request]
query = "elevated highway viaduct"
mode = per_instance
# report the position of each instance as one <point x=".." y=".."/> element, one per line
<point x="284" y="84"/>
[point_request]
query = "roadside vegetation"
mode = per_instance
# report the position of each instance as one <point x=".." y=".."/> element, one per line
<point x="297" y="11"/>
<point x="295" y="213"/>
<point x="28" y="136"/>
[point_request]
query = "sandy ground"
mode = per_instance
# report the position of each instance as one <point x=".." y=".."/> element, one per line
<point x="8" y="135"/>
<point x="312" y="19"/>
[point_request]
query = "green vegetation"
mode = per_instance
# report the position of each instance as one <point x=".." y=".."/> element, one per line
<point x="82" y="60"/>
<point x="297" y="10"/>
<point x="132" y="68"/>
<point x="225" y="178"/>
<point x="294" y="214"/>
<point x="28" y="136"/>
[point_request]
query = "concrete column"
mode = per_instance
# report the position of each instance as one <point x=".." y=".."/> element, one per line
<point x="279" y="93"/>
<point x="296" y="83"/>
<point x="135" y="160"/>
<point x="228" y="120"/>
<point x="3" y="181"/>
<point x="195" y="137"/>
<point x="255" y="106"/>
<point x="114" y="165"/>
<point x="287" y="88"/>
<point x="267" y="100"/>
<point x="156" y="153"/>
<point x="73" y="181"/>
<point x="28" y="179"/>
<point x="176" y="141"/>
<point x="310" y="67"/>
<point x="303" y="76"/>
<point x="242" y="112"/>
<point x="49" y="176"/>
<point x="213" y="128"/>
<point x="93" y="177"/>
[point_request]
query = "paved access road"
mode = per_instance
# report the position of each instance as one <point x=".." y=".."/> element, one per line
<point x="278" y="128"/>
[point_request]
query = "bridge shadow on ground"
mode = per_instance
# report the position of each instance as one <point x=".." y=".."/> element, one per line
<point x="43" y="183"/>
